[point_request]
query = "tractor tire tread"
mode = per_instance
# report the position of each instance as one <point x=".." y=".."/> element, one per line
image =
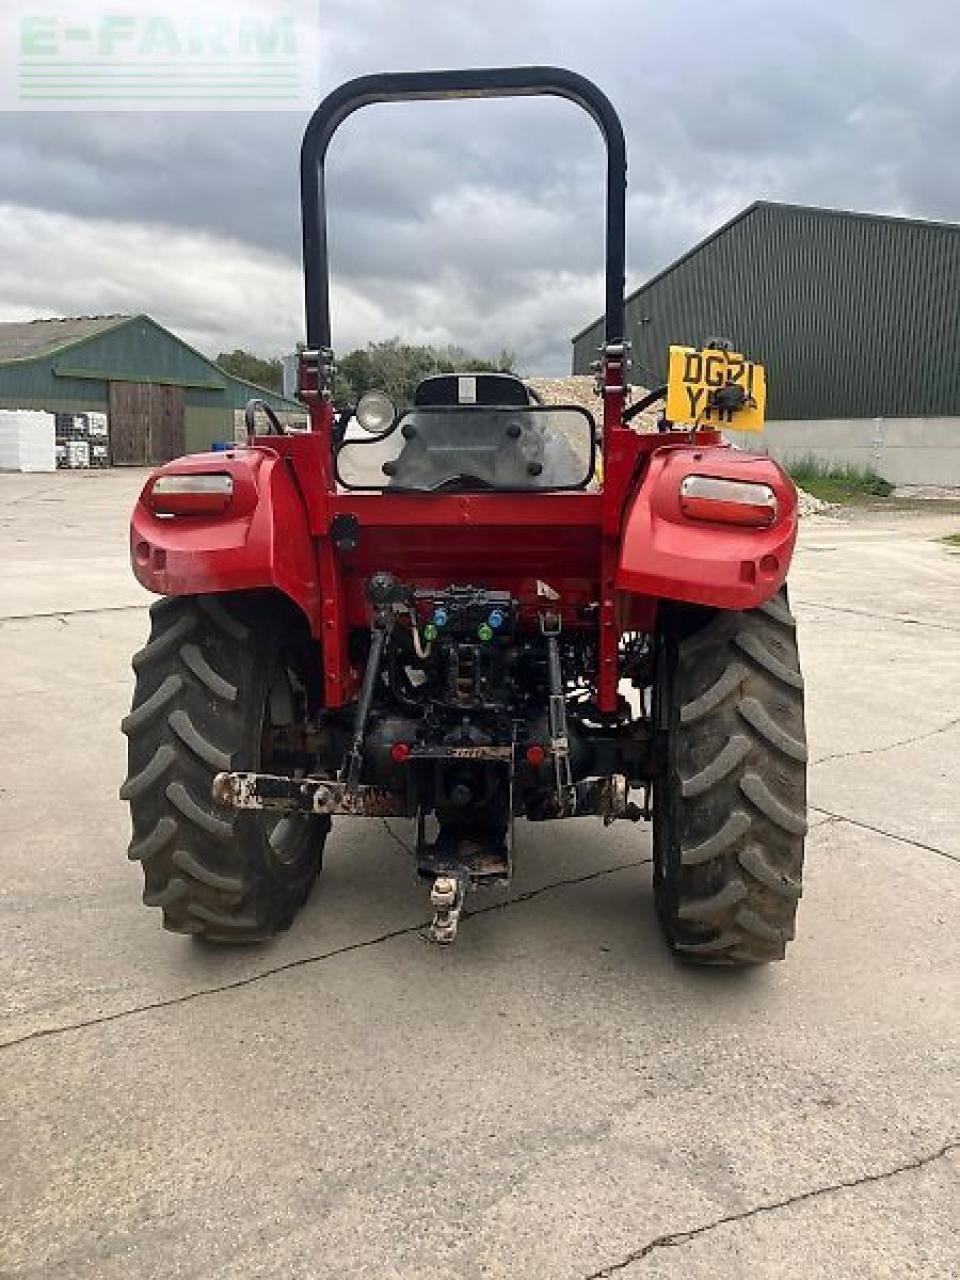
<point x="155" y="705"/>
<point x="720" y="842"/>
<point x="173" y="891"/>
<point x="211" y="871"/>
<point x="778" y="610"/>
<point x="160" y="763"/>
<point x="729" y="847"/>
<point x="217" y="828"/>
<point x="154" y="842"/>
<point x="756" y="864"/>
<point x="164" y="642"/>
<point x="191" y="737"/>
<point x="733" y="754"/>
<point x="223" y="620"/>
<point x="752" y="645"/>
<point x="193" y="659"/>
<point x="758" y="718"/>
<point x="185" y="861"/>
<point x="708" y="702"/>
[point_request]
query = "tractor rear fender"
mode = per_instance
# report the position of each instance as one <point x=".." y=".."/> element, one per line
<point x="667" y="555"/>
<point x="261" y="539"/>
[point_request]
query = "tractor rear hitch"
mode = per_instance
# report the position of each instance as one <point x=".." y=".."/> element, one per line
<point x="607" y="798"/>
<point x="446" y="898"/>
<point x="307" y="795"/>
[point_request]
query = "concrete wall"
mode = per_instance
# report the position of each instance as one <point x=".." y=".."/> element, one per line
<point x="905" y="451"/>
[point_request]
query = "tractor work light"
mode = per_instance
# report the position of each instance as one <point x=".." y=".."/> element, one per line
<point x="376" y="412"/>
<point x="190" y="494"/>
<point x="741" y="502"/>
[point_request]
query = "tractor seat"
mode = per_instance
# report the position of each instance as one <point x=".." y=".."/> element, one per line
<point x="445" y="390"/>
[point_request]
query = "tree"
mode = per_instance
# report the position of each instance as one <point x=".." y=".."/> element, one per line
<point x="244" y="364"/>
<point x="397" y="367"/>
<point x="392" y="366"/>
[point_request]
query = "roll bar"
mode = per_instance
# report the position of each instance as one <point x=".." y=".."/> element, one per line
<point x="506" y="82"/>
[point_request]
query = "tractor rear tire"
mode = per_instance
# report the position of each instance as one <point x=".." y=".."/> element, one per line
<point x="729" y="812"/>
<point x="215" y="675"/>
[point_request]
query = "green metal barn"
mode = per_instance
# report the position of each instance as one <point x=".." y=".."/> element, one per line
<point x="855" y="315"/>
<point x="162" y="397"/>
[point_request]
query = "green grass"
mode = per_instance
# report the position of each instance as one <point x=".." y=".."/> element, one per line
<point x="952" y="539"/>
<point x="835" y="483"/>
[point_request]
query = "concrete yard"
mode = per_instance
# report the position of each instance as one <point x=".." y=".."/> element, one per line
<point x="552" y="1098"/>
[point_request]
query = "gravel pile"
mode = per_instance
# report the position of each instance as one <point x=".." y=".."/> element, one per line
<point x="578" y="390"/>
<point x="581" y="390"/>
<point x="811" y="506"/>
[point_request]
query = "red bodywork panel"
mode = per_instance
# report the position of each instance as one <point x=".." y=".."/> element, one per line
<point x="609" y="556"/>
<point x="261" y="540"/>
<point x="665" y="554"/>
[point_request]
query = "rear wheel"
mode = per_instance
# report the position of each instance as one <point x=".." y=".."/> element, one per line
<point x="217" y="676"/>
<point x="730" y="795"/>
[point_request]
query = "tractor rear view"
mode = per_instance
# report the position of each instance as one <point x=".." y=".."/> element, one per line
<point x="453" y="613"/>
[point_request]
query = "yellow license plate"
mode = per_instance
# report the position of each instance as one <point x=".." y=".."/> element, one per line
<point x="694" y="379"/>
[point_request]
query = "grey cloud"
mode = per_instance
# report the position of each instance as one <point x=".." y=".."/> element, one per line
<point x="448" y="218"/>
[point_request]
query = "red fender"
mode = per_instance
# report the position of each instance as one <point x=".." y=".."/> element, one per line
<point x="665" y="554"/>
<point x="261" y="540"/>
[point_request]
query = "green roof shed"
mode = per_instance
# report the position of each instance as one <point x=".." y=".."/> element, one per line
<point x="162" y="396"/>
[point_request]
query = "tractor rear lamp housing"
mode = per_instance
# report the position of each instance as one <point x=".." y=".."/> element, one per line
<point x="190" y="494"/>
<point x="724" y="501"/>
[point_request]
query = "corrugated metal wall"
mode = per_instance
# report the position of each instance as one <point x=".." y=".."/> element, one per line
<point x="854" y="316"/>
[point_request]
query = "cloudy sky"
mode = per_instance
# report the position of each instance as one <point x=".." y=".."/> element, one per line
<point x="481" y="223"/>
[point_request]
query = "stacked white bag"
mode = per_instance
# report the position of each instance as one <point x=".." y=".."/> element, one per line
<point x="27" y="440"/>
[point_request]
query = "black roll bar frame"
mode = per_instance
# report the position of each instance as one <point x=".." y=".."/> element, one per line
<point x="492" y="82"/>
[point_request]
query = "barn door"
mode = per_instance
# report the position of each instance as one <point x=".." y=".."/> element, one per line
<point x="167" y="411"/>
<point x="129" y="424"/>
<point x="146" y="423"/>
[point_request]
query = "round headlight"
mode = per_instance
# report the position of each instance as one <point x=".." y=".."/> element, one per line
<point x="376" y="412"/>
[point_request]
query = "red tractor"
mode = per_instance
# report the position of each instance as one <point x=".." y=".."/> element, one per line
<point x="446" y="614"/>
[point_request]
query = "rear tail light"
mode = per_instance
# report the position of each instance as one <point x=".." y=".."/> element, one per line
<point x="728" y="501"/>
<point x="190" y="494"/>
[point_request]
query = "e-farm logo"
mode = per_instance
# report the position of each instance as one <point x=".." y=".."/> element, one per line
<point x="226" y="55"/>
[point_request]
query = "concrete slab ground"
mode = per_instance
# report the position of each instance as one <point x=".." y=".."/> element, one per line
<point x="552" y="1098"/>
